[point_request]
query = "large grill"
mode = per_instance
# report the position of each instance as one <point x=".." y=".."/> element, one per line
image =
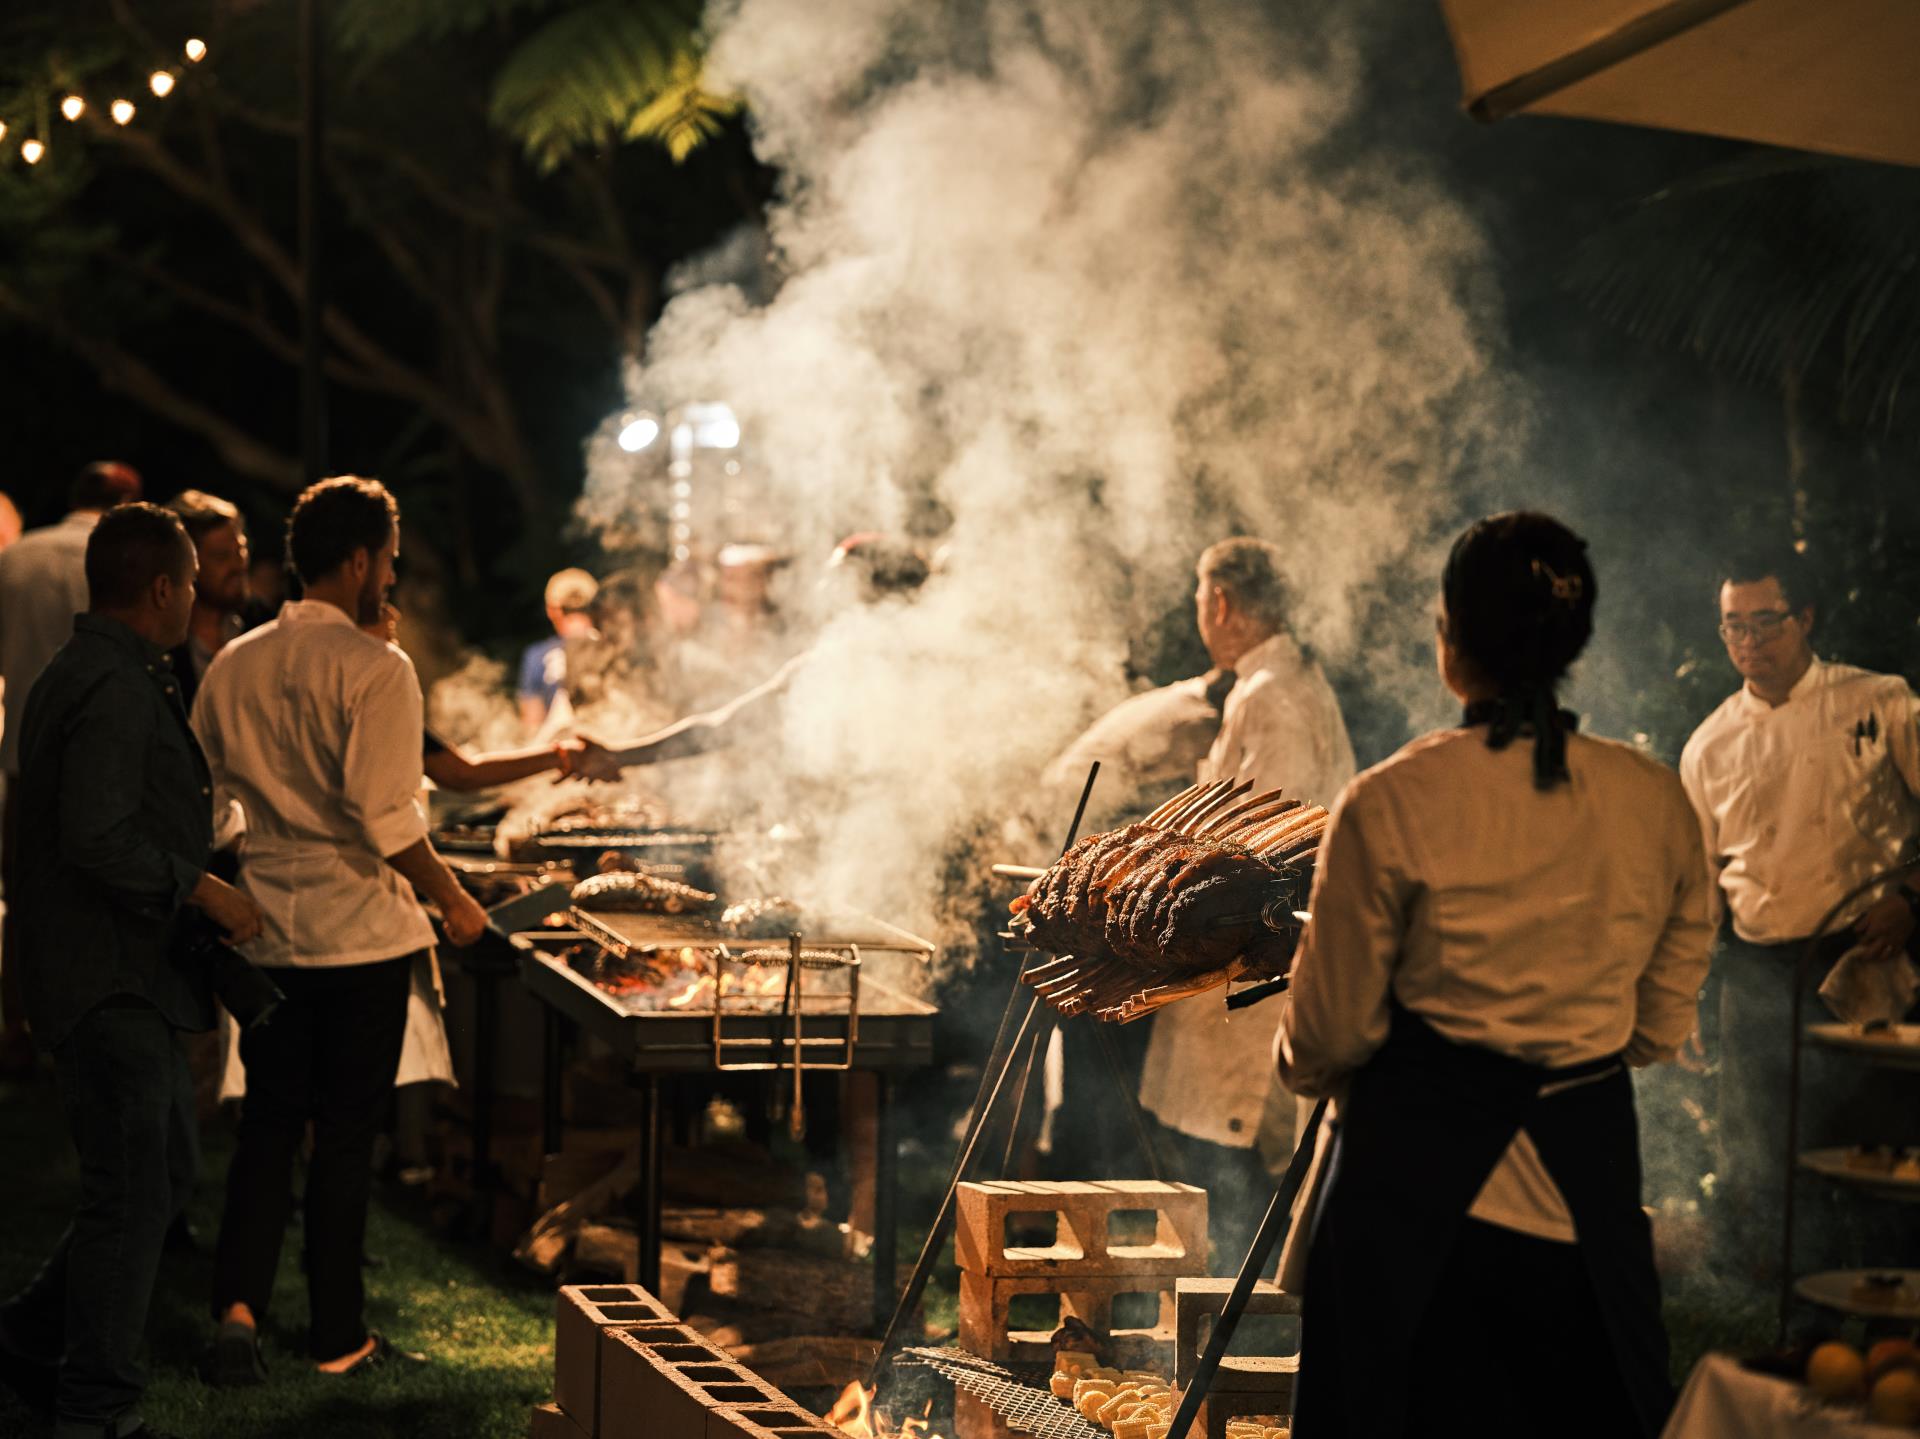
<point x="1018" y="1393"/>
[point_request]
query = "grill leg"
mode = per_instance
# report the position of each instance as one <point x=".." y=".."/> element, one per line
<point x="551" y="1093"/>
<point x="647" y="1194"/>
<point x="486" y="1024"/>
<point x="886" y="1175"/>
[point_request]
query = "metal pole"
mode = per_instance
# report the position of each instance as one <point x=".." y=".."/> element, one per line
<point x="313" y="394"/>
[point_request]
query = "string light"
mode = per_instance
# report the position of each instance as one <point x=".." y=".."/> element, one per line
<point x="32" y="151"/>
<point x="73" y="107"/>
<point x="161" y="83"/>
<point x="122" y="111"/>
<point x="196" y="50"/>
<point x="3" y="129"/>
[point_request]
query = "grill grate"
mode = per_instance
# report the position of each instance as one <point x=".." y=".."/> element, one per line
<point x="1018" y="1393"/>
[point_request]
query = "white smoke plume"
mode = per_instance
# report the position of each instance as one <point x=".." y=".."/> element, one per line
<point x="1086" y="280"/>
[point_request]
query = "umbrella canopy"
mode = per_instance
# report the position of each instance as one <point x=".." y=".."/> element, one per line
<point x="1837" y="76"/>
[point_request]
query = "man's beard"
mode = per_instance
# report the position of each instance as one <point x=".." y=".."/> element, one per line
<point x="372" y="605"/>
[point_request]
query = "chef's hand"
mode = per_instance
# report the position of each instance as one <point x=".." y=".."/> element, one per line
<point x="591" y="760"/>
<point x="1885" y="928"/>
<point x="463" y="919"/>
<point x="232" y="909"/>
<point x="1693" y="1054"/>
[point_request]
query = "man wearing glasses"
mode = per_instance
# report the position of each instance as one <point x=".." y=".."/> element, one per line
<point x="1806" y="782"/>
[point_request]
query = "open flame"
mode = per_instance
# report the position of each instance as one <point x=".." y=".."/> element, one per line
<point x="853" y="1413"/>
<point x="853" y="1410"/>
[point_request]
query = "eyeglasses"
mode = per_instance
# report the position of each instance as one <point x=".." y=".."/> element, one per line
<point x="1762" y="626"/>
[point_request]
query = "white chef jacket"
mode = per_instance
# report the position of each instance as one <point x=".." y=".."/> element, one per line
<point x="1558" y="926"/>
<point x="1801" y="802"/>
<point x="43" y="585"/>
<point x="314" y="727"/>
<point x="1207" y="1075"/>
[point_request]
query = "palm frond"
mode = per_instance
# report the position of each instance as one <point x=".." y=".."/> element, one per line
<point x="587" y="73"/>
<point x="1777" y="266"/>
<point x="684" y="115"/>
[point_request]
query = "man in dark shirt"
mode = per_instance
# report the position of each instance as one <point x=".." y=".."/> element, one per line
<point x="115" y="800"/>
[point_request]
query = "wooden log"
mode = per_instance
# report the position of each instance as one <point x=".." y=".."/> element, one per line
<point x="837" y="1292"/>
<point x="809" y="1361"/>
<point x="542" y="1246"/>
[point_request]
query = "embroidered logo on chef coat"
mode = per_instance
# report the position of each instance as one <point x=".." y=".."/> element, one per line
<point x="1866" y="732"/>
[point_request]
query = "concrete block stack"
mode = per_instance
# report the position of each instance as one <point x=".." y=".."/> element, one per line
<point x="1241" y="1385"/>
<point x="626" y="1368"/>
<point x="1095" y="1258"/>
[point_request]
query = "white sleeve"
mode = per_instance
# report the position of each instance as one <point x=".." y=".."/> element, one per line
<point x="1667" y="996"/>
<point x="1901" y="717"/>
<point x="380" y="780"/>
<point x="1337" y="1013"/>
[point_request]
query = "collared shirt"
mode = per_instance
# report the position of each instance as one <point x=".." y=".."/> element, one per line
<point x="43" y="585"/>
<point x="116" y="827"/>
<point x="1557" y="926"/>
<point x="1801" y="802"/>
<point x="1207" y="1074"/>
<point x="314" y="727"/>
<point x="191" y="658"/>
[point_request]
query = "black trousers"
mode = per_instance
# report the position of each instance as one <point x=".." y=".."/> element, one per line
<point x="328" y="1057"/>
<point x="129" y="1104"/>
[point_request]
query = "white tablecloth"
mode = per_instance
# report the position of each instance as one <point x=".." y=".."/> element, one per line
<point x="1724" y="1401"/>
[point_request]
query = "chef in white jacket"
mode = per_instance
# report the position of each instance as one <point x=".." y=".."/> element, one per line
<point x="1208" y="1079"/>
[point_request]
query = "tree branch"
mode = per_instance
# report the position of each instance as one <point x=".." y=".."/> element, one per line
<point x="133" y="377"/>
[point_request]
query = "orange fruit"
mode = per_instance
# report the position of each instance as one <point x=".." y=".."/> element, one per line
<point x="1896" y="1397"/>
<point x="1889" y="1352"/>
<point x="1836" y="1371"/>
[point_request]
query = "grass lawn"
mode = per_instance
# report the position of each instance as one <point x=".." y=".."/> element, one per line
<point x="486" y="1327"/>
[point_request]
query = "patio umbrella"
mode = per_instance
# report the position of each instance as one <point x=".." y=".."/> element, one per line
<point x="1841" y="77"/>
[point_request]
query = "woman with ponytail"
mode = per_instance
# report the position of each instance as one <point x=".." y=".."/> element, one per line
<point x="1507" y="915"/>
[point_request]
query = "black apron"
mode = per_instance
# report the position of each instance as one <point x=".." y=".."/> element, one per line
<point x="1423" y="1125"/>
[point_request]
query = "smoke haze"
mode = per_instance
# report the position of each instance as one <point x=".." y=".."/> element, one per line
<point x="1075" y="288"/>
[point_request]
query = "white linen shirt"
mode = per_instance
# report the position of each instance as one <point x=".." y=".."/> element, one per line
<point x="1206" y="1074"/>
<point x="43" y="585"/>
<point x="314" y="727"/>
<point x="1558" y="926"/>
<point x="1797" y="805"/>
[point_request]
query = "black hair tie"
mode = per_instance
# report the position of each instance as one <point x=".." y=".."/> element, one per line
<point x="1518" y="711"/>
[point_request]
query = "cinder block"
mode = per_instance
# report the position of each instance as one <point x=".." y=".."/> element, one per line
<point x="581" y="1313"/>
<point x="1196" y="1301"/>
<point x="1221" y="1405"/>
<point x="986" y="1330"/>
<point x="785" y="1420"/>
<point x="1082" y="1213"/>
<point x="655" y="1389"/>
<point x="550" y="1421"/>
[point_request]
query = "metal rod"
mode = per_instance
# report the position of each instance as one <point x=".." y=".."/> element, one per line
<point x="797" y="1116"/>
<point x="1080" y="810"/>
<point x="648" y="1268"/>
<point x="943" y="1221"/>
<point x="313" y="136"/>
<point x="886" y="1199"/>
<point x="1040" y="1037"/>
<point x="552" y="1098"/>
<point x="1272" y="1232"/>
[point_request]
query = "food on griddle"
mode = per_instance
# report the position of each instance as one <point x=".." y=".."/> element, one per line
<point x="1202" y="891"/>
<point x="769" y="918"/>
<point x="630" y="893"/>
<point x="1125" y="1403"/>
<point x="1258" y="1426"/>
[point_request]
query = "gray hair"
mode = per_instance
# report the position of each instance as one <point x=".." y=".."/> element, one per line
<point x="1248" y="571"/>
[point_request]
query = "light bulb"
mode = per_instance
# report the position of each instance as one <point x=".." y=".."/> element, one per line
<point x="196" y="50"/>
<point x="638" y="433"/>
<point x="3" y="129"/>
<point x="73" y="107"/>
<point x="161" y="83"/>
<point x="122" y="111"/>
<point x="32" y="151"/>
